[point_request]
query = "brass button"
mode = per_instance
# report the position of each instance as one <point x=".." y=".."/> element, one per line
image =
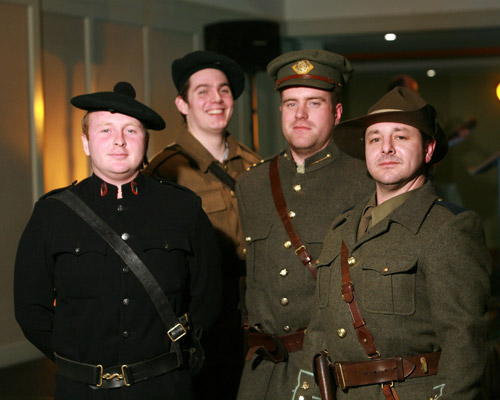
<point x="341" y="332"/>
<point x="284" y="301"/>
<point x="77" y="250"/>
<point x="305" y="385"/>
<point x="297" y="188"/>
<point x="119" y="208"/>
<point x="302" y="398"/>
<point x="125" y="236"/>
<point x="248" y="239"/>
<point x="248" y="168"/>
<point x="232" y="193"/>
<point x="244" y="251"/>
<point x="125" y="334"/>
<point x="287" y="329"/>
<point x="126" y="302"/>
<point x="351" y="260"/>
<point x="292" y="214"/>
<point x="287" y="244"/>
<point x="386" y="269"/>
<point x="125" y="269"/>
<point x="166" y="246"/>
<point x="284" y="272"/>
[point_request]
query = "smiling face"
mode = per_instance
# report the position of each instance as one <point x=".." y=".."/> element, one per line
<point x="396" y="157"/>
<point x="209" y="104"/>
<point x="307" y="118"/>
<point x="116" y="144"/>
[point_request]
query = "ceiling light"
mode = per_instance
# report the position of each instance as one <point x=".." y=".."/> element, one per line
<point x="390" y="37"/>
<point x="431" y="73"/>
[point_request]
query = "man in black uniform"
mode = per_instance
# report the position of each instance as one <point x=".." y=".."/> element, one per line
<point x="79" y="302"/>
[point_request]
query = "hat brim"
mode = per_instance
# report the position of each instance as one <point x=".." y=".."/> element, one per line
<point x="349" y="136"/>
<point x="120" y="103"/>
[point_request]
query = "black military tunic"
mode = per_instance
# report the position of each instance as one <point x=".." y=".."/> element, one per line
<point x="102" y="313"/>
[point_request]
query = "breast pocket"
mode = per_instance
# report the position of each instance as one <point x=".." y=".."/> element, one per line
<point x="388" y="287"/>
<point x="257" y="244"/>
<point x="324" y="281"/>
<point x="78" y="260"/>
<point x="166" y="253"/>
<point x="212" y="201"/>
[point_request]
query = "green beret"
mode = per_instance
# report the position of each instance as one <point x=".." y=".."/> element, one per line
<point x="400" y="105"/>
<point x="319" y="69"/>
<point x="120" y="100"/>
<point x="184" y="67"/>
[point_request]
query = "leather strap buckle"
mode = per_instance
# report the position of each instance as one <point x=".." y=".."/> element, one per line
<point x="176" y="332"/>
<point x="115" y="376"/>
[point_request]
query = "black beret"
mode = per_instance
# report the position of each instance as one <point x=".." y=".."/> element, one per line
<point x="184" y="67"/>
<point x="120" y="100"/>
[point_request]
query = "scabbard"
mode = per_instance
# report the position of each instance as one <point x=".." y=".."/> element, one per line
<point x="323" y="375"/>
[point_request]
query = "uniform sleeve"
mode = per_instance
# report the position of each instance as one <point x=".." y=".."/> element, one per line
<point x="458" y="270"/>
<point x="33" y="286"/>
<point x="205" y="273"/>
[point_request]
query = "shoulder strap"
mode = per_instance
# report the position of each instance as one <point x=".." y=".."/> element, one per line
<point x="222" y="175"/>
<point x="280" y="204"/>
<point x="365" y="337"/>
<point x="176" y="327"/>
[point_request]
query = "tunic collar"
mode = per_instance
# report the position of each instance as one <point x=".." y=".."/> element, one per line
<point x="104" y="189"/>
<point x="192" y="147"/>
<point x="316" y="161"/>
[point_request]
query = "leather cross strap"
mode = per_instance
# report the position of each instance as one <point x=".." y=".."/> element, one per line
<point x="365" y="337"/>
<point x="291" y="342"/>
<point x="280" y="204"/>
<point x="222" y="175"/>
<point x="176" y="327"/>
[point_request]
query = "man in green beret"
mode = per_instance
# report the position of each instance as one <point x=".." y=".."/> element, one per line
<point x="117" y="329"/>
<point x="286" y="205"/>
<point x="207" y="159"/>
<point x="403" y="277"/>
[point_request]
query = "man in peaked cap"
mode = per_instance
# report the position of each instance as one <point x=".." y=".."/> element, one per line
<point x="286" y="205"/>
<point x="403" y="277"/>
<point x="80" y="304"/>
<point x="207" y="159"/>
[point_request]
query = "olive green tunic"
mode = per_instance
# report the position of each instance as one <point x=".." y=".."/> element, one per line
<point x="422" y="281"/>
<point x="280" y="288"/>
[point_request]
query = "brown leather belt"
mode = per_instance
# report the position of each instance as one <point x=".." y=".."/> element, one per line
<point x="273" y="347"/>
<point x="383" y="370"/>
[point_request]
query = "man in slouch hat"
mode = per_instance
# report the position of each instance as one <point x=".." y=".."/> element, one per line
<point x="286" y="204"/>
<point x="403" y="277"/>
<point x="93" y="311"/>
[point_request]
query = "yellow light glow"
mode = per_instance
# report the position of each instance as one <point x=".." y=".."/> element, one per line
<point x="498" y="91"/>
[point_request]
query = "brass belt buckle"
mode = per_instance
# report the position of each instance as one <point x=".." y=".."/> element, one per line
<point x="339" y="376"/>
<point x="115" y="376"/>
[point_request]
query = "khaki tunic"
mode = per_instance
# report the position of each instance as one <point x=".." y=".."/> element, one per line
<point x="422" y="281"/>
<point x="279" y="287"/>
<point x="186" y="163"/>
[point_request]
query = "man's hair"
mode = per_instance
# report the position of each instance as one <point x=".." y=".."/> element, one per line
<point x="429" y="167"/>
<point x="183" y="93"/>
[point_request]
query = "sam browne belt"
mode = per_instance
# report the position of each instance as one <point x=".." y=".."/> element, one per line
<point x="274" y="348"/>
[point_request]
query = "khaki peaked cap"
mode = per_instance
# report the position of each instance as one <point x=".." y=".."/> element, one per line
<point x="399" y="105"/>
<point x="318" y="69"/>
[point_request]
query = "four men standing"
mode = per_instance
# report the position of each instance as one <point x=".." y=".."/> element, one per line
<point x="420" y="266"/>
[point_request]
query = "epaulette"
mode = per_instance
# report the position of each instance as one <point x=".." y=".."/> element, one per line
<point x="262" y="161"/>
<point x="52" y="192"/>
<point x="163" y="155"/>
<point x="455" y="209"/>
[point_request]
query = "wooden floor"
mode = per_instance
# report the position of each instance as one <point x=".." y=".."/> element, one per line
<point x="30" y="381"/>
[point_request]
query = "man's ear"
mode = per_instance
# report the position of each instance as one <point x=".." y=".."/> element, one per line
<point x="429" y="151"/>
<point x="181" y="105"/>
<point x="85" y="144"/>
<point x="338" y="112"/>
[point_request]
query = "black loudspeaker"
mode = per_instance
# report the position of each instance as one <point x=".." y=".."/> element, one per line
<point x="252" y="44"/>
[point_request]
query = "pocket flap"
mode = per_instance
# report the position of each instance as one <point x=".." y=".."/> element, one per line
<point x="396" y="265"/>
